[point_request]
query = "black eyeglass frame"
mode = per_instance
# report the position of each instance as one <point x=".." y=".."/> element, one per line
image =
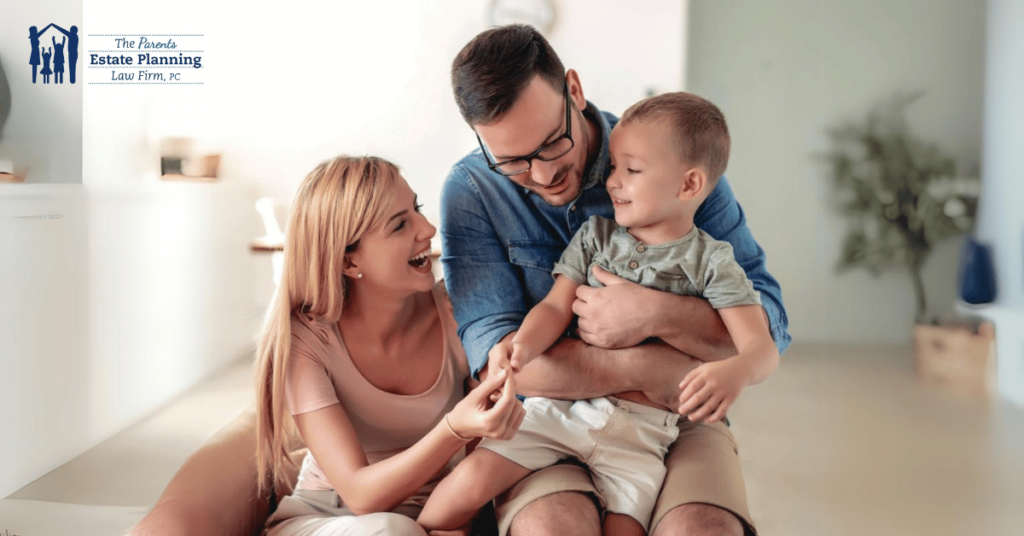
<point x="536" y="154"/>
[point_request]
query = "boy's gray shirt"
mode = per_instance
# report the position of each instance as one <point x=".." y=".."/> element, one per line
<point x="694" y="265"/>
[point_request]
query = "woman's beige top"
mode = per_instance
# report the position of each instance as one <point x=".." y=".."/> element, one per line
<point x="321" y="373"/>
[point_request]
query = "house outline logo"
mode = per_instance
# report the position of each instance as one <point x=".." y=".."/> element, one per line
<point x="53" y="58"/>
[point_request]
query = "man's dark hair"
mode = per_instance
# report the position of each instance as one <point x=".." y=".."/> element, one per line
<point x="493" y="69"/>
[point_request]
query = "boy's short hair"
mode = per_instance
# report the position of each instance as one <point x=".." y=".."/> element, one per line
<point x="702" y="137"/>
<point x="493" y="69"/>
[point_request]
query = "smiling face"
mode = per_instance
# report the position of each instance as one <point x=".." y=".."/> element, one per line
<point x="650" y="185"/>
<point x="536" y="119"/>
<point x="395" y="254"/>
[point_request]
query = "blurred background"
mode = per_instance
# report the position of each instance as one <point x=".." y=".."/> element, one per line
<point x="144" y="288"/>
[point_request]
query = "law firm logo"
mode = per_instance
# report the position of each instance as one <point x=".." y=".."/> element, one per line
<point x="50" y="59"/>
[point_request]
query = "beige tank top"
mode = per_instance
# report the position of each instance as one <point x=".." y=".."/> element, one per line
<point x="321" y="373"/>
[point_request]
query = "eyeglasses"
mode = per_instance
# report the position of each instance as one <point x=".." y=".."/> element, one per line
<point x="552" y="151"/>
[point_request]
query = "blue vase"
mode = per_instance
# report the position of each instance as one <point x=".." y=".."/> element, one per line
<point x="977" y="276"/>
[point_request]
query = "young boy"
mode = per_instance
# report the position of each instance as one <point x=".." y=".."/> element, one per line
<point x="667" y="152"/>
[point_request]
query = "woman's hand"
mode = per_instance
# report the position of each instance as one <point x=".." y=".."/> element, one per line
<point x="476" y="416"/>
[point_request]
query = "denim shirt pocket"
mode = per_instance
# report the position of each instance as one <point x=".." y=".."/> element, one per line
<point x="535" y="255"/>
<point x="535" y="261"/>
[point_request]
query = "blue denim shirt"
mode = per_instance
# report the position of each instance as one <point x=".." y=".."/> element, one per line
<point x="500" y="242"/>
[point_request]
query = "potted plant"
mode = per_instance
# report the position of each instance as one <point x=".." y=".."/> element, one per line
<point x="901" y="195"/>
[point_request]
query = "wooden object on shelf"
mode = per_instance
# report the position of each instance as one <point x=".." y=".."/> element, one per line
<point x="200" y="169"/>
<point x="959" y="355"/>
<point x="9" y="174"/>
<point x="266" y="244"/>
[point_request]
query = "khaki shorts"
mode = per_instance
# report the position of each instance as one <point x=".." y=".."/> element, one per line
<point x="703" y="467"/>
<point x="622" y="443"/>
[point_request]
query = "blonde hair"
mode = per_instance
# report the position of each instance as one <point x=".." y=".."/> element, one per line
<point x="335" y="206"/>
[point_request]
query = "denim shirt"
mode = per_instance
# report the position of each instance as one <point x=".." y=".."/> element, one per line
<point x="500" y="242"/>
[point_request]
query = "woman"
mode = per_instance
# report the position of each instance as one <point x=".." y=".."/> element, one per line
<point x="33" y="58"/>
<point x="360" y="348"/>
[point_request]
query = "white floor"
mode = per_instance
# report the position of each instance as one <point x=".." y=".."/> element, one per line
<point x="840" y="441"/>
<point x="847" y="441"/>
<point x="132" y="468"/>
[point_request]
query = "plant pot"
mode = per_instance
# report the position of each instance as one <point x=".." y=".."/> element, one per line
<point x="960" y="355"/>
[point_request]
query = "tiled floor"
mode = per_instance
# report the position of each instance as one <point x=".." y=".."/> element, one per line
<point x="840" y="441"/>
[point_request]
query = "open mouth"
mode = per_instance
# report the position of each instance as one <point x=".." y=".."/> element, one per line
<point x="420" y="260"/>
<point x="618" y="201"/>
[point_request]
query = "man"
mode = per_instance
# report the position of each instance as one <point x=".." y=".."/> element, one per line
<point x="507" y="212"/>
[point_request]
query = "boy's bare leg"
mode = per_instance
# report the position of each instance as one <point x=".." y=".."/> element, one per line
<point x="476" y="480"/>
<point x="621" y="525"/>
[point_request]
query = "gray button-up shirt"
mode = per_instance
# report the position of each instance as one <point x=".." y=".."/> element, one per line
<point x="694" y="265"/>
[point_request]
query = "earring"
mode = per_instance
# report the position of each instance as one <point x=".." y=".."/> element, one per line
<point x="359" y="275"/>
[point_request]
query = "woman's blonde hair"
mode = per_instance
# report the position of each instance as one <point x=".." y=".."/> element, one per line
<point x="334" y="207"/>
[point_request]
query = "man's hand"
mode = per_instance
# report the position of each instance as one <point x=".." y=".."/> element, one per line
<point x="615" y="316"/>
<point x="709" y="390"/>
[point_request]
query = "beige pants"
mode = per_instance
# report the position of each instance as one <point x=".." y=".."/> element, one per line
<point x="319" y="513"/>
<point x="703" y="466"/>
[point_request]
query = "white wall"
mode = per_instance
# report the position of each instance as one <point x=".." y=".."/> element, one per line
<point x="287" y="88"/>
<point x="112" y="302"/>
<point x="785" y="71"/>
<point x="44" y="130"/>
<point x="1001" y="222"/>
<point x="43" y="330"/>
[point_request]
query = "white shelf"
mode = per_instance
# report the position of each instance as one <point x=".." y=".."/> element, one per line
<point x="1009" y="326"/>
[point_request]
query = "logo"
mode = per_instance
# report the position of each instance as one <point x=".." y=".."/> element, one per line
<point x="48" y="59"/>
<point x="143" y="59"/>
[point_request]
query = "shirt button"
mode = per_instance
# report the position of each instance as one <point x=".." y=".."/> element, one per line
<point x="573" y="208"/>
<point x="641" y="248"/>
<point x="633" y="265"/>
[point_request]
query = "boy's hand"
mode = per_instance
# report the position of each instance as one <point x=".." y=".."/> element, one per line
<point x="708" y="390"/>
<point x="499" y="358"/>
<point x="522" y="354"/>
